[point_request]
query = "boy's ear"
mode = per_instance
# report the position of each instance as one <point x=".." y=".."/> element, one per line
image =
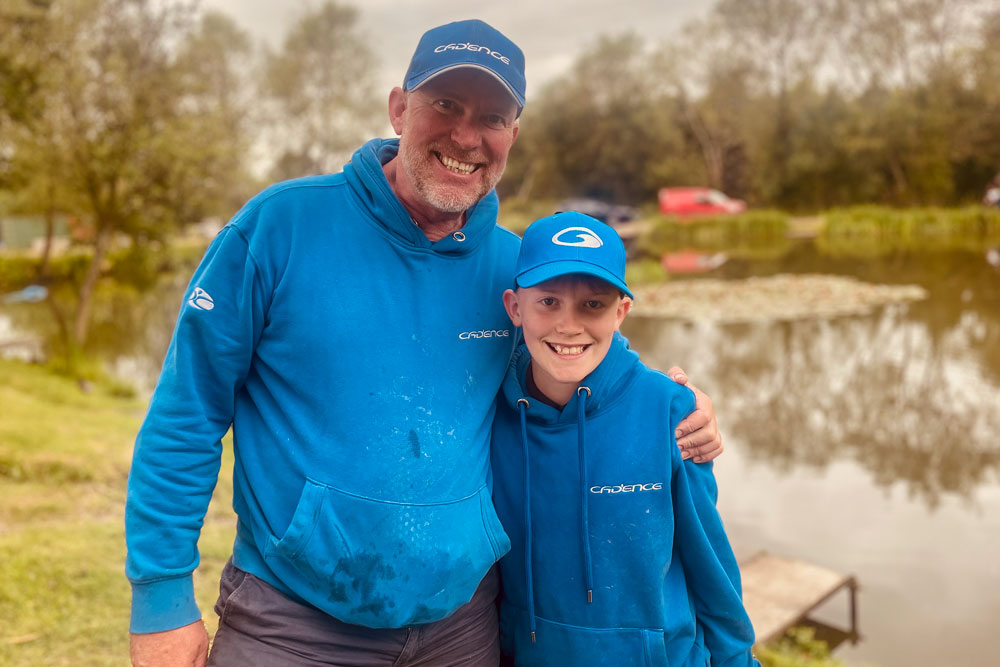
<point x="624" y="305"/>
<point x="513" y="308"/>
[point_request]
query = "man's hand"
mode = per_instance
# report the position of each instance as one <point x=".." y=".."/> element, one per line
<point x="698" y="435"/>
<point x="186" y="646"/>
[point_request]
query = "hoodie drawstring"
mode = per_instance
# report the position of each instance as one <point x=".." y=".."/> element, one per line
<point x="581" y="419"/>
<point x="522" y="404"/>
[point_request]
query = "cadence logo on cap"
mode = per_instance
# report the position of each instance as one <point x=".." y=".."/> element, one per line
<point x="585" y="238"/>
<point x="472" y="47"/>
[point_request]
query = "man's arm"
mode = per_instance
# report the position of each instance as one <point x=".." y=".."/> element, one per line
<point x="186" y="646"/>
<point x="698" y="434"/>
<point x="178" y="450"/>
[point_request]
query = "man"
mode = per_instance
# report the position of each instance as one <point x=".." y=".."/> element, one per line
<point x="350" y="329"/>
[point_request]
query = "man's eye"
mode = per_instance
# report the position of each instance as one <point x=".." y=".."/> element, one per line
<point x="445" y="104"/>
<point x="496" y="121"/>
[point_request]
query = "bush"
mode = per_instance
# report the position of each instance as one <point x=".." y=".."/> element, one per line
<point x="746" y="233"/>
<point x="798" y="648"/>
<point x="873" y="231"/>
<point x="517" y="214"/>
<point x="644" y="271"/>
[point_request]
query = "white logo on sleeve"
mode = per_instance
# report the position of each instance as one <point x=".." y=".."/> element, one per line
<point x="584" y="238"/>
<point x="201" y="299"/>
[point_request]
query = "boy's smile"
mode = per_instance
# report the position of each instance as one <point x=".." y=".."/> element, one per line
<point x="568" y="324"/>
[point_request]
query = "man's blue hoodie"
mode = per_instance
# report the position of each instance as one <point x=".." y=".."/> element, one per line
<point x="599" y="505"/>
<point x="358" y="364"/>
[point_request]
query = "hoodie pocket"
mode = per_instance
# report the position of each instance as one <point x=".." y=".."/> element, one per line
<point x="386" y="564"/>
<point x="563" y="644"/>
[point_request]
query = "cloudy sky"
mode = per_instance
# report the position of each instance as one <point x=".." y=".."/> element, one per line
<point x="551" y="32"/>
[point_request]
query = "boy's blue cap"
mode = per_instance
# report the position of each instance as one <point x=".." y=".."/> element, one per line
<point x="471" y="43"/>
<point x="570" y="242"/>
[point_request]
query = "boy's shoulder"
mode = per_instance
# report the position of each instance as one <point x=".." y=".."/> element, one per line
<point x="654" y="386"/>
<point x="656" y="380"/>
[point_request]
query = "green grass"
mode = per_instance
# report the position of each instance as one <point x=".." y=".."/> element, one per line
<point x="64" y="458"/>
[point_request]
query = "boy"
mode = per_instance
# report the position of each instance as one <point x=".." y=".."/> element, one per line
<point x="618" y="554"/>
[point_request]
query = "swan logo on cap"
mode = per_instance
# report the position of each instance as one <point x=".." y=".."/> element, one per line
<point x="585" y="238"/>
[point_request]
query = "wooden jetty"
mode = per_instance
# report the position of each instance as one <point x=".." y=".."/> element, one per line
<point x="780" y="593"/>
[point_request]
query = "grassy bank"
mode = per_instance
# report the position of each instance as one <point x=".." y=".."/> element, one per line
<point x="64" y="458"/>
<point x="875" y="231"/>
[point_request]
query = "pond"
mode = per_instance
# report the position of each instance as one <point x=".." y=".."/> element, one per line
<point x="867" y="443"/>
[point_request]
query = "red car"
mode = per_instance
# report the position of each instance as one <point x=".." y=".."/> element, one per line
<point x="690" y="202"/>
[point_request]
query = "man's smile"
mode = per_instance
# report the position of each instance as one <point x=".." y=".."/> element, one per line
<point x="454" y="165"/>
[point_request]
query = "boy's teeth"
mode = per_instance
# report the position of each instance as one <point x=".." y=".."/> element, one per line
<point x="454" y="164"/>
<point x="568" y="349"/>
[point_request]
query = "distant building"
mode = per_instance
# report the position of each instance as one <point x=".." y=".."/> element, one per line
<point x="22" y="232"/>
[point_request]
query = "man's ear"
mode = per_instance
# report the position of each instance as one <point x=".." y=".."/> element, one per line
<point x="517" y="126"/>
<point x="624" y="305"/>
<point x="512" y="306"/>
<point x="397" y="107"/>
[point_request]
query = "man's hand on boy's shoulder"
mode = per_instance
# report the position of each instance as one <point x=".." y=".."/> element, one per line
<point x="698" y="434"/>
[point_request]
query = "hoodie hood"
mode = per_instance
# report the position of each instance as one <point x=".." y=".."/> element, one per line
<point x="606" y="383"/>
<point x="364" y="174"/>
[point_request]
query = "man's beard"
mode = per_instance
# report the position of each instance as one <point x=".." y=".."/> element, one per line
<point x="419" y="164"/>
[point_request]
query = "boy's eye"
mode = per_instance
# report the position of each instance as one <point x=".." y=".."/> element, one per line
<point x="594" y="304"/>
<point x="547" y="301"/>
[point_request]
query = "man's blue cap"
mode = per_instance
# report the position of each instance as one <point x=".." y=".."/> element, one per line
<point x="570" y="242"/>
<point x="471" y="43"/>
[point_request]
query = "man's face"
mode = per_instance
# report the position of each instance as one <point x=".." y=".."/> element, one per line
<point x="455" y="134"/>
<point x="568" y="324"/>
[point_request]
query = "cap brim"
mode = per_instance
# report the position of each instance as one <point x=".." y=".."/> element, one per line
<point x="540" y="274"/>
<point x="416" y="82"/>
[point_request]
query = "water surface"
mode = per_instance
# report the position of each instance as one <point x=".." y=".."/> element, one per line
<point x="867" y="444"/>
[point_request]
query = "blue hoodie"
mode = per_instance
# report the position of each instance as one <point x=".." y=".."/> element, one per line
<point x="599" y="505"/>
<point x="358" y="364"/>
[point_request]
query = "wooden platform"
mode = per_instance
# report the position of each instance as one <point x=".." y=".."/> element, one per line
<point x="779" y="593"/>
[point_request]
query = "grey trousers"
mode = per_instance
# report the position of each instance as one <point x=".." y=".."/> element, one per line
<point x="260" y="626"/>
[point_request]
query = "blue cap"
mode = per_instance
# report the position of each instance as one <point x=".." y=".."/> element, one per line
<point x="570" y="242"/>
<point x="471" y="43"/>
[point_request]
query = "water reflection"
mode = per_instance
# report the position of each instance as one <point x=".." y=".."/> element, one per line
<point x="882" y="390"/>
<point x="910" y="392"/>
<point x="130" y="332"/>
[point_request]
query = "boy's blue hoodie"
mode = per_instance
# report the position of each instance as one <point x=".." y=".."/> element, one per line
<point x="358" y="364"/>
<point x="598" y="504"/>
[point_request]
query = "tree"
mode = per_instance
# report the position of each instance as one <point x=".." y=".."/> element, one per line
<point x="595" y="131"/>
<point x="217" y="71"/>
<point x="130" y="141"/>
<point x="21" y="22"/>
<point x="319" y="88"/>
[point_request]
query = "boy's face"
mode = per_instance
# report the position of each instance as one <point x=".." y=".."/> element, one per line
<point x="568" y="323"/>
